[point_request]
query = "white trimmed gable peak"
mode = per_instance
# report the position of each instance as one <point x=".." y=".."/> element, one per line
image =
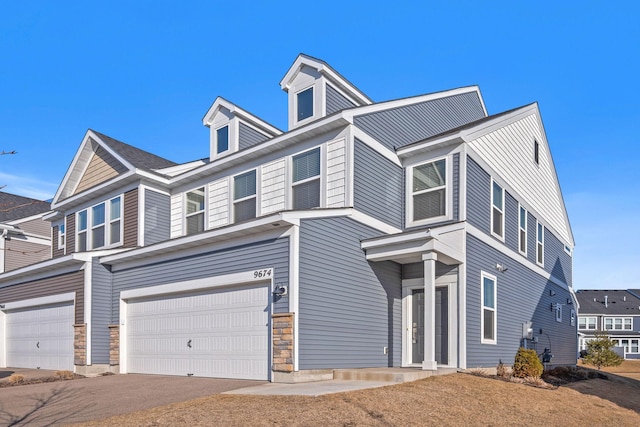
<point x="327" y="91"/>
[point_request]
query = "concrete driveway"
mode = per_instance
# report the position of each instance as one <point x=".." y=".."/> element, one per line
<point x="86" y="399"/>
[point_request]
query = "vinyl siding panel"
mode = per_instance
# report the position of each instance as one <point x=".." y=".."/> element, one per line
<point x="157" y="217"/>
<point x="404" y="125"/>
<point x="336" y="101"/>
<point x="349" y="308"/>
<point x="478" y="197"/>
<point x="219" y="214"/>
<point x="248" y="137"/>
<point x="259" y="255"/>
<point x="522" y="296"/>
<point x="273" y="187"/>
<point x="176" y="215"/>
<point x="512" y="216"/>
<point x="36" y="226"/>
<point x="456" y="186"/>
<point x="102" y="167"/>
<point x="20" y="253"/>
<point x="56" y="251"/>
<point x="336" y="173"/>
<point x="100" y="312"/>
<point x="130" y="233"/>
<point x="60" y="284"/>
<point x="378" y="185"/>
<point x="415" y="270"/>
<point x="71" y="233"/>
<point x="556" y="260"/>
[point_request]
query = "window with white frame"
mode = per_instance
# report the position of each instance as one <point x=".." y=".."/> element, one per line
<point x="630" y="345"/>
<point x="306" y="180"/>
<point x="540" y="244"/>
<point x="304" y="104"/>
<point x="244" y="196"/>
<point x="587" y="323"/>
<point x="429" y="190"/>
<point x="618" y="324"/>
<point x="222" y="139"/>
<point x="497" y="210"/>
<point x="62" y="236"/>
<point x="194" y="212"/>
<point x="488" y="320"/>
<point x="584" y="341"/>
<point x="522" y="235"/>
<point x="558" y="310"/>
<point x="99" y="226"/>
<point x="573" y="317"/>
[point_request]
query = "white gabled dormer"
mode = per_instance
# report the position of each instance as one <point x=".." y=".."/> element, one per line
<point x="232" y="129"/>
<point x="316" y="90"/>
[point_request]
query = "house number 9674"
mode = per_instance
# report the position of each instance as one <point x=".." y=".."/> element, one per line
<point x="258" y="274"/>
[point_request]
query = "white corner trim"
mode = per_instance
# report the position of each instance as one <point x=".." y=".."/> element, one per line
<point x="34" y="302"/>
<point x="88" y="305"/>
<point x="294" y="291"/>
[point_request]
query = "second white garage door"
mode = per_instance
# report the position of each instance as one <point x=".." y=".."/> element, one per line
<point x="220" y="333"/>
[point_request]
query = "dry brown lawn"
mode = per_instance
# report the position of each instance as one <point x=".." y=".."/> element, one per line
<point x="458" y="399"/>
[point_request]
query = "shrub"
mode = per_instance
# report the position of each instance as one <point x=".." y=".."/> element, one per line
<point x="502" y="371"/>
<point x="600" y="352"/>
<point x="16" y="378"/>
<point x="527" y="364"/>
<point x="64" y="375"/>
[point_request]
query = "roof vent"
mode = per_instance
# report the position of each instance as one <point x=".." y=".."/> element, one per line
<point x="624" y="298"/>
<point x="606" y="301"/>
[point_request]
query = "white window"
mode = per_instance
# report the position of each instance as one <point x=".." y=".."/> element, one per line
<point x="573" y="317"/>
<point x="194" y="212"/>
<point x="634" y="346"/>
<point x="62" y="235"/>
<point x="306" y="180"/>
<point x="522" y="235"/>
<point x="244" y="196"/>
<point x="489" y="318"/>
<point x="222" y="139"/>
<point x="567" y="249"/>
<point x="428" y="191"/>
<point x="558" y="311"/>
<point x="497" y="210"/>
<point x="99" y="226"/>
<point x="540" y="244"/>
<point x="304" y="104"/>
<point x="588" y="323"/>
<point x="618" y="324"/>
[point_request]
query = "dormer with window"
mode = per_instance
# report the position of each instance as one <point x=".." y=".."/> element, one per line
<point x="316" y="90"/>
<point x="232" y="129"/>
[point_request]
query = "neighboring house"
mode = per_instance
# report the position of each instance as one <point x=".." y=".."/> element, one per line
<point x="615" y="313"/>
<point x="25" y="238"/>
<point x="417" y="232"/>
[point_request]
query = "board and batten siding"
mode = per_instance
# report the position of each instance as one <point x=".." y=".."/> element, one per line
<point x="350" y="309"/>
<point x="336" y="173"/>
<point x="248" y="137"/>
<point x="510" y="151"/>
<point x="100" y="312"/>
<point x="157" y="218"/>
<point x="102" y="167"/>
<point x="21" y="253"/>
<point x="54" y="285"/>
<point x="273" y="253"/>
<point x="273" y="187"/>
<point x="403" y="125"/>
<point x="523" y="295"/>
<point x="336" y="101"/>
<point x="378" y="188"/>
<point x="130" y="228"/>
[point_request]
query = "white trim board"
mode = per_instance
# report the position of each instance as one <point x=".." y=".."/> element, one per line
<point x="34" y="302"/>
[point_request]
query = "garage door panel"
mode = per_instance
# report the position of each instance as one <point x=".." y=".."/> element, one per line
<point x="214" y="333"/>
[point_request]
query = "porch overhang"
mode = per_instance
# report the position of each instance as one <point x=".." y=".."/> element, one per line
<point x="409" y="247"/>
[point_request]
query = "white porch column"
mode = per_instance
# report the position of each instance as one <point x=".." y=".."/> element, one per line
<point x="429" y="363"/>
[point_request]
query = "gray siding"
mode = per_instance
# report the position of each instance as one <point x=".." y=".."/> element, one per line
<point x="249" y="137"/>
<point x="511" y="218"/>
<point x="264" y="254"/>
<point x="157" y="217"/>
<point x="100" y="312"/>
<point x="478" y="197"/>
<point x="404" y="125"/>
<point x="531" y="237"/>
<point x="336" y="101"/>
<point x="415" y="270"/>
<point x="350" y="309"/>
<point x="522" y="296"/>
<point x="378" y="185"/>
<point x="556" y="260"/>
<point x="21" y="253"/>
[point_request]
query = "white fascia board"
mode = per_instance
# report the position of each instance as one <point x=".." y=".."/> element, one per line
<point x="29" y="218"/>
<point x="178" y="169"/>
<point x="33" y="302"/>
<point x="152" y="176"/>
<point x="84" y="145"/>
<point x="294" y="217"/>
<point x="452" y="250"/>
<point x="375" y="145"/>
<point x="445" y="141"/>
<point x="496" y="123"/>
<point x="241" y="113"/>
<point x="81" y="196"/>
<point x="115" y="154"/>
<point x="387" y="105"/>
<point x="38" y="268"/>
<point x="412" y="236"/>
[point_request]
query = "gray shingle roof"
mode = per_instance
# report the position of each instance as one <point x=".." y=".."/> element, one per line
<point x="619" y="302"/>
<point x="14" y="207"/>
<point x="138" y="158"/>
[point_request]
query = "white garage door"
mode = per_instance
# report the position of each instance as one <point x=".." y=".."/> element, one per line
<point x="216" y="333"/>
<point x="40" y="337"/>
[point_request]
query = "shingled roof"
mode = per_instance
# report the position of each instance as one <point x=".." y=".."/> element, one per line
<point x="140" y="159"/>
<point x="14" y="207"/>
<point x="613" y="302"/>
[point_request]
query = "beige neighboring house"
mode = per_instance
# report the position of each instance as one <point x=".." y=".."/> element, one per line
<point x="25" y="238"/>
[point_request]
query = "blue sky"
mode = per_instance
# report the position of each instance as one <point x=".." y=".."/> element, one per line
<point x="146" y="72"/>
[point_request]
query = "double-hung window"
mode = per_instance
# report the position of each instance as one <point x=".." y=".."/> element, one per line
<point x="522" y="235"/>
<point x="489" y="319"/>
<point x="222" y="139"/>
<point x="62" y="236"/>
<point x="588" y="323"/>
<point x="306" y="180"/>
<point x="540" y="244"/>
<point x="429" y="190"/>
<point x="194" y="212"/>
<point x="100" y="225"/>
<point x="497" y="210"/>
<point x="304" y="104"/>
<point x="558" y="310"/>
<point x="618" y="323"/>
<point x="244" y="196"/>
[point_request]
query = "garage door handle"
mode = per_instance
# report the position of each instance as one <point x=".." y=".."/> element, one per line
<point x="38" y="344"/>
<point x="189" y="343"/>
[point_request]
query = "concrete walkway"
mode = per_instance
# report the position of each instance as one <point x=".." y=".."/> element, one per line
<point x="316" y="388"/>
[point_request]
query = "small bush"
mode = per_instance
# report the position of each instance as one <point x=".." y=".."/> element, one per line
<point x="479" y="372"/>
<point x="16" y="378"/>
<point x="527" y="364"/>
<point x="502" y="371"/>
<point x="65" y="375"/>
<point x="600" y="352"/>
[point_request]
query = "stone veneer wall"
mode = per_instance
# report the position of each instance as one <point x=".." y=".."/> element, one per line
<point x="114" y="345"/>
<point x="282" y="325"/>
<point x="80" y="344"/>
